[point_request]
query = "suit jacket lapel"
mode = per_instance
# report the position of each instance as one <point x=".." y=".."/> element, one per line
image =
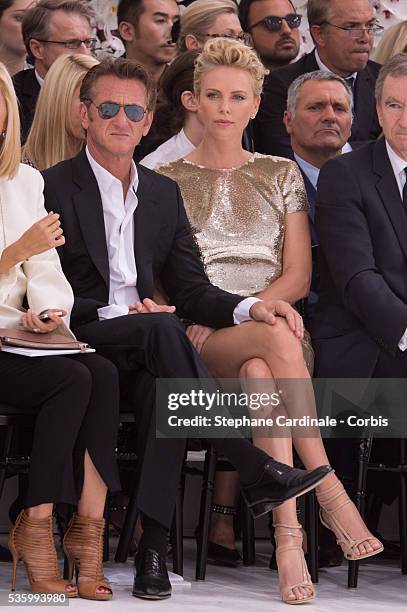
<point x="310" y="62"/>
<point x="31" y="87"/>
<point x="364" y="101"/>
<point x="389" y="192"/>
<point x="312" y="196"/>
<point x="146" y="226"/>
<point x="88" y="206"/>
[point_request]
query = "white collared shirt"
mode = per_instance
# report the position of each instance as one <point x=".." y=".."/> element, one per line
<point x="311" y="172"/>
<point x="171" y="150"/>
<point x="39" y="79"/>
<point x="347" y="147"/>
<point x="399" y="166"/>
<point x="119" y="227"/>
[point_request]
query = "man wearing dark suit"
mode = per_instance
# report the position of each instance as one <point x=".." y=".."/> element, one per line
<point x="50" y="28"/>
<point x="359" y="324"/>
<point x="343" y="33"/>
<point x="126" y="231"/>
<point x="318" y="120"/>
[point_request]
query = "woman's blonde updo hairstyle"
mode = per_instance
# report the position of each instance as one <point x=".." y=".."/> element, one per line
<point x="225" y="52"/>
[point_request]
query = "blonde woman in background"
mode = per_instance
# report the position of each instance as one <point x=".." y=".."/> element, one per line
<point x="56" y="133"/>
<point x="393" y="41"/>
<point x="205" y="19"/>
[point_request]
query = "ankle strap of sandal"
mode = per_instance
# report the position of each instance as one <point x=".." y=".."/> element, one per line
<point x="226" y="510"/>
<point x="332" y="494"/>
<point x="293" y="530"/>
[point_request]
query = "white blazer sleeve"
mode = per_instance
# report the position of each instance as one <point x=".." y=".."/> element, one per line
<point x="47" y="286"/>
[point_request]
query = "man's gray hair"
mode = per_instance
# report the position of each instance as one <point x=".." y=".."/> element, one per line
<point x="316" y="75"/>
<point x="396" y="66"/>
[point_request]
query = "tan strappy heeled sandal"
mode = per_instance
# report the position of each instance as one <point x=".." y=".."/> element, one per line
<point x="83" y="546"/>
<point x="31" y="540"/>
<point x="294" y="531"/>
<point x="327" y="513"/>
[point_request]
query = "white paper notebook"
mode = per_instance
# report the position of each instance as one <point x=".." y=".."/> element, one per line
<point x="29" y="352"/>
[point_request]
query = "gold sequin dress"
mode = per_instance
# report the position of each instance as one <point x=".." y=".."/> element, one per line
<point x="237" y="217"/>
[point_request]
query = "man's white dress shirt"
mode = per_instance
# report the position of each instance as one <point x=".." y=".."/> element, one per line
<point x="118" y="216"/>
<point x="310" y="171"/>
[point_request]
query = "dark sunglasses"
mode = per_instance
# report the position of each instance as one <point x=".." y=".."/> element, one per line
<point x="274" y="23"/>
<point x="108" y="110"/>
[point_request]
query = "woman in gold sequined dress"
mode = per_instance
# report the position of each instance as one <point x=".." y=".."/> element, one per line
<point x="248" y="213"/>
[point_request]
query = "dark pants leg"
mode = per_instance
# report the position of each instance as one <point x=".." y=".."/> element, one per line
<point x="61" y="388"/>
<point x="158" y="343"/>
<point x="386" y="485"/>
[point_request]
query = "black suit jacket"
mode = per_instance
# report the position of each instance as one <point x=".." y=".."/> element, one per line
<point x="362" y="230"/>
<point x="27" y="90"/>
<point x="270" y="135"/>
<point x="311" y="195"/>
<point x="163" y="245"/>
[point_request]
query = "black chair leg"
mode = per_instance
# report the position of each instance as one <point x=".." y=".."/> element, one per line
<point x="63" y="526"/>
<point x="126" y="535"/>
<point x="403" y="509"/>
<point x="177" y="531"/>
<point x="365" y="447"/>
<point x="208" y="484"/>
<point x="311" y="528"/>
<point x="5" y="452"/>
<point x="248" y="535"/>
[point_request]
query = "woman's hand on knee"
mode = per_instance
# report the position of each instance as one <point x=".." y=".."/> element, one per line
<point x="268" y="310"/>
<point x="198" y="335"/>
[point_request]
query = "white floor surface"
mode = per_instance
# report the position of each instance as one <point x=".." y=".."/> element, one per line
<point x="245" y="589"/>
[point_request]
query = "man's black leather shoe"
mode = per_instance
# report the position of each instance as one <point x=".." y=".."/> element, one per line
<point x="151" y="577"/>
<point x="278" y="483"/>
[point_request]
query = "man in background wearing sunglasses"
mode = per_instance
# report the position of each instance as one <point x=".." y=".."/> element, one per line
<point x="343" y="32"/>
<point x="274" y="28"/>
<point x="50" y="29"/>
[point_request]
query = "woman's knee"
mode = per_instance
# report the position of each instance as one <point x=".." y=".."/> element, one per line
<point x="102" y="370"/>
<point x="255" y="368"/>
<point x="77" y="375"/>
<point x="280" y="340"/>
